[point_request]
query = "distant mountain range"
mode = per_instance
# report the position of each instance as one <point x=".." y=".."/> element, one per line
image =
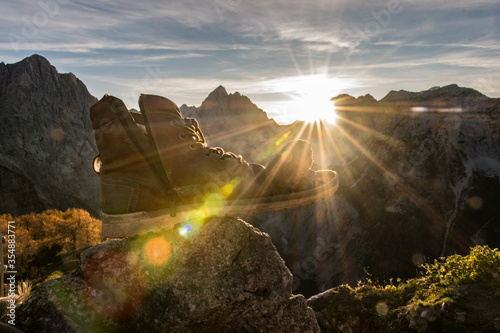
<point x="419" y="171"/>
<point x="450" y="98"/>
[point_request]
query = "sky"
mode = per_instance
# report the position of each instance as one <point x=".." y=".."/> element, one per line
<point x="281" y="54"/>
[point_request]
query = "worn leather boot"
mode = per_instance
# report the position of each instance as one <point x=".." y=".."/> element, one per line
<point x="173" y="162"/>
<point x="130" y="182"/>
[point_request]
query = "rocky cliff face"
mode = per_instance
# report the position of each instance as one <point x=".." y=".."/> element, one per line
<point x="223" y="276"/>
<point x="441" y="166"/>
<point x="47" y="144"/>
<point x="420" y="175"/>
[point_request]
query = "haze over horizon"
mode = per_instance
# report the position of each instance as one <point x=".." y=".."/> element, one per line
<point x="279" y="54"/>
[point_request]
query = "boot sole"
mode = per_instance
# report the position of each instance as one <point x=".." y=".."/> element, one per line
<point x="125" y="225"/>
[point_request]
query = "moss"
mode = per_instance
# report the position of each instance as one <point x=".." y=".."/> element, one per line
<point x="456" y="294"/>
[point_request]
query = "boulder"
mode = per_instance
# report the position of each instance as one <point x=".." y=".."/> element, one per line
<point x="222" y="275"/>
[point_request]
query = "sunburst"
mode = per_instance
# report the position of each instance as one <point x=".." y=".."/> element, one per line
<point x="307" y="97"/>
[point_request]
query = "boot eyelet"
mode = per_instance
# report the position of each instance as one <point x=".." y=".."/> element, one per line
<point x="193" y="147"/>
<point x="173" y="122"/>
<point x="207" y="154"/>
<point x="182" y="136"/>
<point x="97" y="164"/>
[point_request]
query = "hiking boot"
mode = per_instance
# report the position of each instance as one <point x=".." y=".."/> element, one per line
<point x="191" y="179"/>
<point x="129" y="181"/>
<point x="288" y="171"/>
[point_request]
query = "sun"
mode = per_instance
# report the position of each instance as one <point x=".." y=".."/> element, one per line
<point x="305" y="97"/>
<point x="314" y="107"/>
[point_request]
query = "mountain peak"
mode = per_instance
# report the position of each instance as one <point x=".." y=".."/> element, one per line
<point x="36" y="58"/>
<point x="216" y="97"/>
<point x="35" y="61"/>
<point x="345" y="100"/>
<point x="45" y="123"/>
<point x="219" y="92"/>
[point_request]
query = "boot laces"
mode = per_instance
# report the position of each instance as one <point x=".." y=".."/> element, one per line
<point x="192" y="127"/>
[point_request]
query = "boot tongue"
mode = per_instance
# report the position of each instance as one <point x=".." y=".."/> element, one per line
<point x="160" y="104"/>
<point x="138" y="118"/>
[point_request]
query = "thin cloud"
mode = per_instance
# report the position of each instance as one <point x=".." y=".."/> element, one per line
<point x="250" y="45"/>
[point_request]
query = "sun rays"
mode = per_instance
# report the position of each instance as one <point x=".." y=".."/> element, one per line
<point x="305" y="97"/>
<point x="356" y="134"/>
<point x="352" y="145"/>
<point x="313" y="106"/>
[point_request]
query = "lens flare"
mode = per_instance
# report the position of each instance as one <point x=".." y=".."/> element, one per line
<point x="227" y="189"/>
<point x="283" y="138"/>
<point x="157" y="251"/>
<point x="418" y="259"/>
<point x="184" y="230"/>
<point x="382" y="308"/>
<point x="476" y="203"/>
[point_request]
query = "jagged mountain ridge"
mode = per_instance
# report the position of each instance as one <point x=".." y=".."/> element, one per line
<point x="441" y="99"/>
<point x="230" y="120"/>
<point x="47" y="143"/>
<point x="451" y="94"/>
<point x="414" y="185"/>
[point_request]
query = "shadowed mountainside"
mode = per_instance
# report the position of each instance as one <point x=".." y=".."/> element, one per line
<point x="47" y="143"/>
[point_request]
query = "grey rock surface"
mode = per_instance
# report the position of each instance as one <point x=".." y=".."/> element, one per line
<point x="222" y="276"/>
<point x="46" y="140"/>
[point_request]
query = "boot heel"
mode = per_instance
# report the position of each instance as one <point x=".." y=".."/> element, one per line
<point x="118" y="196"/>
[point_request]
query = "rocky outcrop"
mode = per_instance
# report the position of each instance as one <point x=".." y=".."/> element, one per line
<point x="471" y="308"/>
<point x="459" y="294"/>
<point x="47" y="144"/>
<point x="220" y="276"/>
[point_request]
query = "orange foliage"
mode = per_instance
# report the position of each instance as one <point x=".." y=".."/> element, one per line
<point x="39" y="237"/>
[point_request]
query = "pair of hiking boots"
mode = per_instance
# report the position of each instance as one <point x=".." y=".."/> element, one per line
<point x="156" y="170"/>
